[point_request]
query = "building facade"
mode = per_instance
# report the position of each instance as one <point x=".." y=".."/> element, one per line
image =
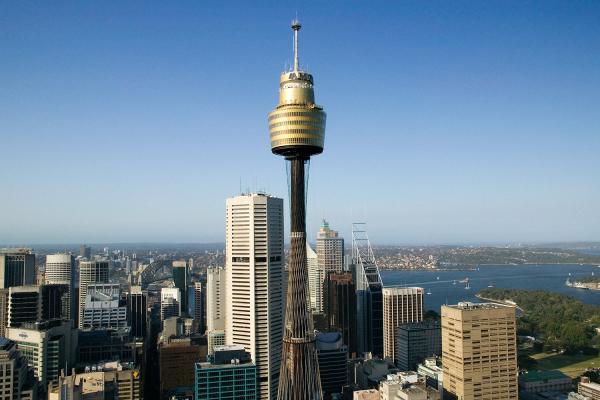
<point x="17" y="267"/>
<point x="137" y="311"/>
<point x="415" y="342"/>
<point x="400" y="306"/>
<point x="330" y="259"/>
<point x="180" y="279"/>
<point x="104" y="307"/>
<point x="47" y="346"/>
<point x="33" y="303"/>
<point x="332" y="354"/>
<point x="314" y="277"/>
<point x="15" y="375"/>
<point x="60" y="269"/>
<point x="170" y="303"/>
<point x="340" y="307"/>
<point x="479" y="351"/>
<point x="230" y="376"/>
<point x="588" y="389"/>
<point x="254" y="283"/>
<point x="90" y="272"/>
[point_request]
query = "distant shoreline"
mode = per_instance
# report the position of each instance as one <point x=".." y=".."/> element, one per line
<point x="468" y="268"/>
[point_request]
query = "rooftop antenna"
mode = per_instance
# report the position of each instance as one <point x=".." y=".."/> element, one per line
<point x="296" y="27"/>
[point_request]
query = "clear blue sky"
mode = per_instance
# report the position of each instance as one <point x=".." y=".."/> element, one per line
<point x="448" y="122"/>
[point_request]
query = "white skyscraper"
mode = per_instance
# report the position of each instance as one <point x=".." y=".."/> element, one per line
<point x="90" y="272"/>
<point x="60" y="270"/>
<point x="170" y="303"/>
<point x="254" y="283"/>
<point x="314" y="279"/>
<point x="330" y="255"/>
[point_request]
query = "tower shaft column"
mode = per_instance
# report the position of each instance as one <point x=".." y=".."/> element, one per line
<point x="299" y="375"/>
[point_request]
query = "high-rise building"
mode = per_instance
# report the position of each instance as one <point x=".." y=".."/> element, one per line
<point x="340" y="307"/>
<point x="17" y="267"/>
<point x="180" y="279"/>
<point x="400" y="306"/>
<point x="170" y="303"/>
<point x="33" y="303"/>
<point x="90" y="272"/>
<point x="333" y="359"/>
<point x="415" y="342"/>
<point x="104" y="307"/>
<point x="297" y="129"/>
<point x="479" y="351"/>
<point x="85" y="251"/>
<point x="15" y="375"/>
<point x="314" y="277"/>
<point x="60" y="269"/>
<point x="48" y="347"/>
<point x="254" y="283"/>
<point x="330" y="258"/>
<point x="231" y="375"/>
<point x="137" y="304"/>
<point x="197" y="305"/>
<point x="215" y="299"/>
<point x="369" y="298"/>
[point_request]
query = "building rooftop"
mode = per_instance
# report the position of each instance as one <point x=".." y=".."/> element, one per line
<point x="418" y="326"/>
<point x="467" y="305"/>
<point x="535" y="376"/>
<point x="231" y="347"/>
<point x="16" y="250"/>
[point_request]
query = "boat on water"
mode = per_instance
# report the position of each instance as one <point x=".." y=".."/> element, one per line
<point x="438" y="278"/>
<point x="468" y="286"/>
<point x="466" y="280"/>
<point x="454" y="281"/>
<point x="428" y="291"/>
<point x="490" y="285"/>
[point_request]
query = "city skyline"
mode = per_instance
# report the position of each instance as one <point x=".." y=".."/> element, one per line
<point x="484" y="116"/>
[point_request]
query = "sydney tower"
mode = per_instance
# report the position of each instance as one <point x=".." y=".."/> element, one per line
<point x="297" y="128"/>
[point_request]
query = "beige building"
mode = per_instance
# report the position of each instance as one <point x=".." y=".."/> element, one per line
<point x="588" y="389"/>
<point x="254" y="261"/>
<point x="330" y="258"/>
<point x="400" y="306"/>
<point x="369" y="394"/>
<point x="479" y="351"/>
<point x="107" y="381"/>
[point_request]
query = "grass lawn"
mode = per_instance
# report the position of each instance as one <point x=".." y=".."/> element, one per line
<point x="572" y="365"/>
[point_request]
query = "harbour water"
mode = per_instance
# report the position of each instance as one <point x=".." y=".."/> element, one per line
<point x="445" y="287"/>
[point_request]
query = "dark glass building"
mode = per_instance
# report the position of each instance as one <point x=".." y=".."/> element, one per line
<point x="180" y="279"/>
<point x="339" y="294"/>
<point x="137" y="312"/>
<point x="415" y="342"/>
<point x="17" y="267"/>
<point x="332" y="354"/>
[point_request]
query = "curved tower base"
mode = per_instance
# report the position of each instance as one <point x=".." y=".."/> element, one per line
<point x="299" y="375"/>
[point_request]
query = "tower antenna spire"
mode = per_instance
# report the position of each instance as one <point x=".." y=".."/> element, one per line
<point x="296" y="27"/>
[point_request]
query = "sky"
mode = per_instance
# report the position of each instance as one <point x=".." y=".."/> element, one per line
<point x="447" y="122"/>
